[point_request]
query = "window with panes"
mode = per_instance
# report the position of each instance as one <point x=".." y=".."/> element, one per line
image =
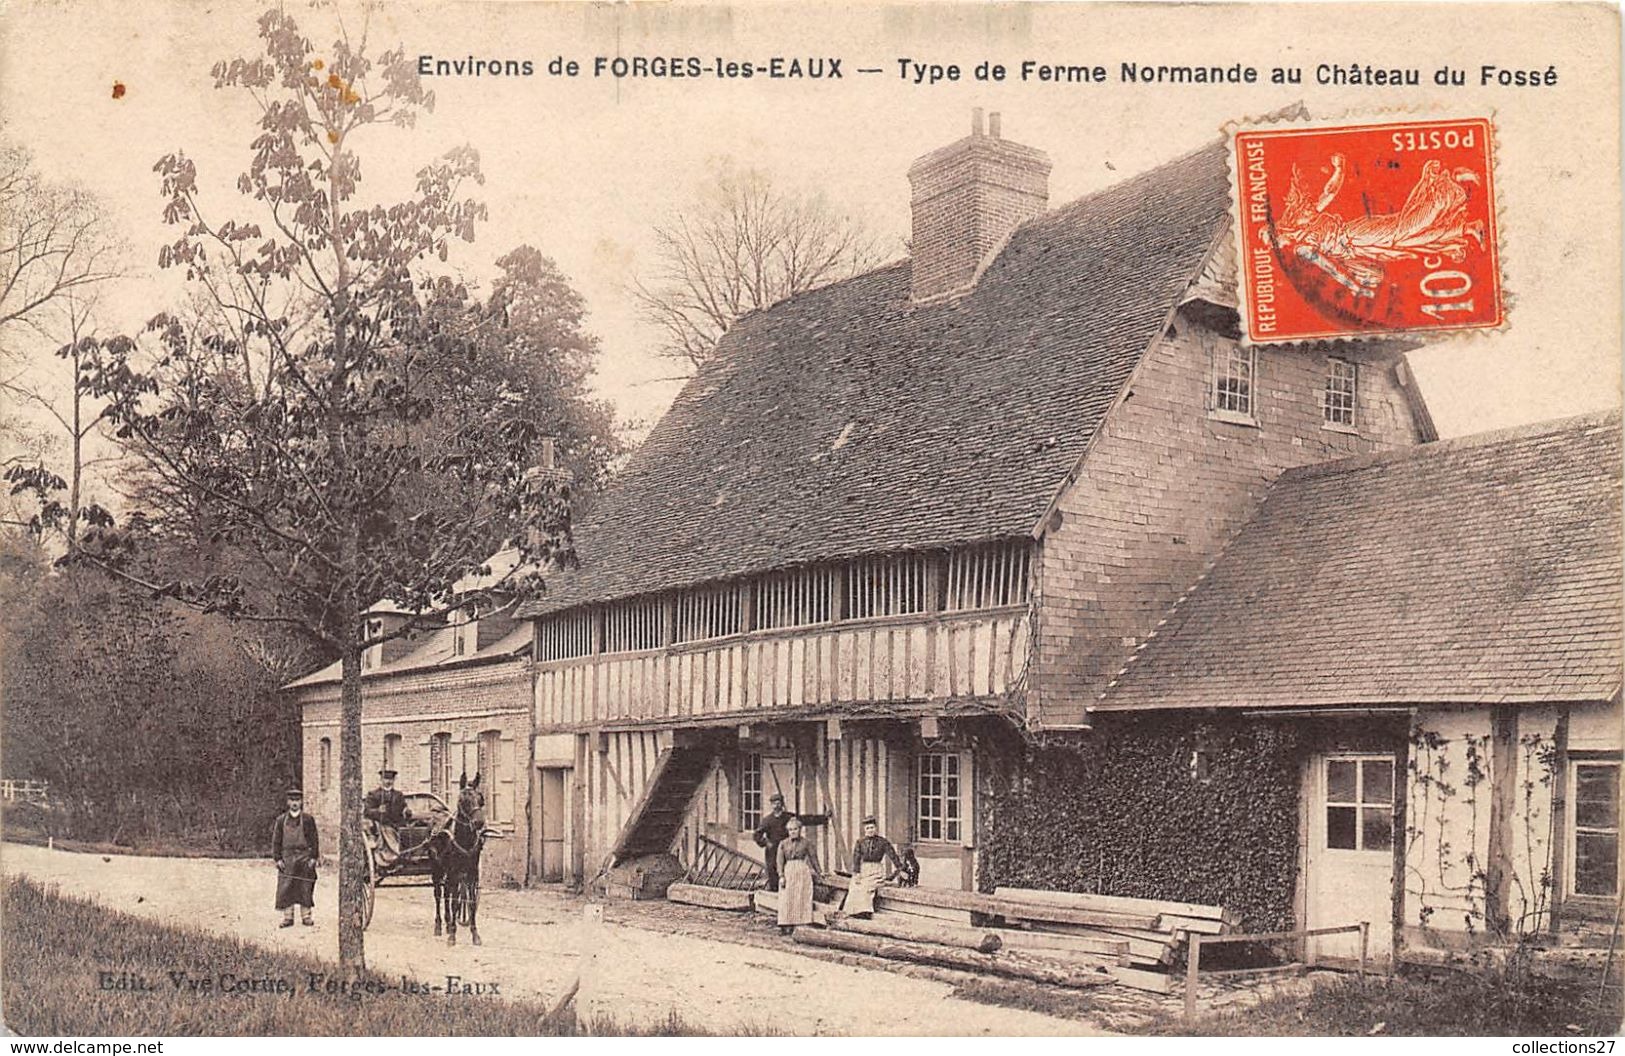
<point x="1596" y="828"/>
<point x="1233" y="369"/>
<point x="750" y="791"/>
<point x="1342" y="382"/>
<point x="440" y="765"/>
<point x="1360" y="804"/>
<point x="939" y="797"/>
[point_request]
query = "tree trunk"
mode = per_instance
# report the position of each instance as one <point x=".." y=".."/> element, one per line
<point x="352" y="854"/>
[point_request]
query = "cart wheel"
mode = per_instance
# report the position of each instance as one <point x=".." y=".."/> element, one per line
<point x="368" y="897"/>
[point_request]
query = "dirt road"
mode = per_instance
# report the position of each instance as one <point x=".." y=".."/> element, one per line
<point x="534" y="943"/>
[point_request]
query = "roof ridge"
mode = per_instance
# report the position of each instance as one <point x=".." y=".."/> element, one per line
<point x="1438" y="448"/>
<point x="1048" y="214"/>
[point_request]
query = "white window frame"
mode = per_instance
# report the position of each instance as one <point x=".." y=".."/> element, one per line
<point x="440" y="783"/>
<point x="1359" y="803"/>
<point x="1572" y="830"/>
<point x="1340" y="386"/>
<point x="961" y="816"/>
<point x="1225" y="356"/>
<point x="750" y="766"/>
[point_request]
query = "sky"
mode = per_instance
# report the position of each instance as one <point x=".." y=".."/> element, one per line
<point x="584" y="167"/>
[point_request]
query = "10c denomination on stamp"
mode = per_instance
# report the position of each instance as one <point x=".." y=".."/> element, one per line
<point x="1367" y="230"/>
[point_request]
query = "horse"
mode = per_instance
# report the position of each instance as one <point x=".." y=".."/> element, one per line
<point x="454" y="863"/>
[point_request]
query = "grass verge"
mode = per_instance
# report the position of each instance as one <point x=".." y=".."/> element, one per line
<point x="1456" y="1004"/>
<point x="63" y="960"/>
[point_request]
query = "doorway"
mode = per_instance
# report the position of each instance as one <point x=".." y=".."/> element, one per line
<point x="553" y="789"/>
<point x="1351" y="852"/>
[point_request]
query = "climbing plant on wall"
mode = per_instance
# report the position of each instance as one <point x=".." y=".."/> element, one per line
<point x="1178" y="809"/>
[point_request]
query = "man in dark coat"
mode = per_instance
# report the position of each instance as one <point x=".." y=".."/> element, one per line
<point x="385" y="806"/>
<point x="295" y="847"/>
<point x="769" y="834"/>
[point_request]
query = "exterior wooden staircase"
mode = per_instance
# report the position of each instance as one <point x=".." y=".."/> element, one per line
<point x="657" y="817"/>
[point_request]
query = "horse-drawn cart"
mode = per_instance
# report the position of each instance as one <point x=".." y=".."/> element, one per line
<point x="434" y="848"/>
<point x="411" y="865"/>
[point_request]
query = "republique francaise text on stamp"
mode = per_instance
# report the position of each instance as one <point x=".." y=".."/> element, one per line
<point x="1367" y="230"/>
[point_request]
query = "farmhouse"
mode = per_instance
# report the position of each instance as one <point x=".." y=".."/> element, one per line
<point x="922" y="544"/>
<point x="1016" y="546"/>
<point x="446" y="701"/>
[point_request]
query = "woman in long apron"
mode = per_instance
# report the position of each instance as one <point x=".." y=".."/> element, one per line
<point x="798" y="868"/>
<point x="874" y="862"/>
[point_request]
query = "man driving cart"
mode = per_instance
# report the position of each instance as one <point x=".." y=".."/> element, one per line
<point x="386" y="811"/>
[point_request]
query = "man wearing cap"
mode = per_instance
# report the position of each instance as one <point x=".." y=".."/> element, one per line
<point x="295" y="847"/>
<point x="385" y="807"/>
<point x="770" y="833"/>
<point x="874" y="863"/>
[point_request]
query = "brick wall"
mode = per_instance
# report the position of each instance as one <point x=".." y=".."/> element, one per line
<point x="461" y="702"/>
<point x="1166" y="485"/>
<point x="966" y="199"/>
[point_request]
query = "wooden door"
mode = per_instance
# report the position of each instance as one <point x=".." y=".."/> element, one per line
<point x="555" y="805"/>
<point x="1351" y="852"/>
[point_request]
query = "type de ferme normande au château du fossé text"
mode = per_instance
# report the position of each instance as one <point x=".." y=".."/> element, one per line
<point x="921" y="72"/>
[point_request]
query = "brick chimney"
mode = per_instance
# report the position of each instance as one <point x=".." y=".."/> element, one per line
<point x="967" y="198"/>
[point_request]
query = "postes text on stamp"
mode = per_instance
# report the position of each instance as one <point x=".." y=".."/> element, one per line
<point x="1366" y="230"/>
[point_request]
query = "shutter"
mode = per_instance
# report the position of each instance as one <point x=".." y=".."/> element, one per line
<point x="506" y="775"/>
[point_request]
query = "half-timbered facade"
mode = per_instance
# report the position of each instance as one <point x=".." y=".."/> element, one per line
<point x="901" y="527"/>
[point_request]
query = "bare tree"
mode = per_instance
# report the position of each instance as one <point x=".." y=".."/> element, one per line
<point x="743" y="245"/>
<point x="54" y="241"/>
<point x="60" y="397"/>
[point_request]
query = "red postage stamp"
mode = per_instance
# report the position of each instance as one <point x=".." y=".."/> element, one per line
<point x="1366" y="230"/>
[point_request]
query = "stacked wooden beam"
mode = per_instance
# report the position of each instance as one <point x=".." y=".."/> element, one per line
<point x="1150" y="946"/>
<point x="710" y="897"/>
<point x="1055" y="937"/>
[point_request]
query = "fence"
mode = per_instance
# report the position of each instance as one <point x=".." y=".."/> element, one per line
<point x="25" y="791"/>
<point x="1193" y="963"/>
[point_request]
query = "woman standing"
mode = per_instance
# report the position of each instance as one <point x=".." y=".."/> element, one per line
<point x="798" y="869"/>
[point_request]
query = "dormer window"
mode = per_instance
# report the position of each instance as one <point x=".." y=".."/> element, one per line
<point x="465" y="631"/>
<point x="372" y="657"/>
<point x="1233" y="392"/>
<point x="1342" y="379"/>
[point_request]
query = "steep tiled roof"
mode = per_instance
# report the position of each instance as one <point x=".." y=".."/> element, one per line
<point x="846" y="420"/>
<point x="1480" y="570"/>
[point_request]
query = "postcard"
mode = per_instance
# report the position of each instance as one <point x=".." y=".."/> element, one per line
<point x="539" y="520"/>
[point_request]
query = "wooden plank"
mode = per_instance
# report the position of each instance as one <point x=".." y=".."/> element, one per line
<point x="1139" y="979"/>
<point x="918" y="929"/>
<point x="955" y="916"/>
<point x="768" y="902"/>
<point x="1013" y="965"/>
<point x="1151" y="907"/>
<point x="710" y="897"/>
<point x="1017" y="939"/>
<point x="1172" y="923"/>
<point x="994" y="906"/>
<point x="1145" y="946"/>
<point x="890" y="900"/>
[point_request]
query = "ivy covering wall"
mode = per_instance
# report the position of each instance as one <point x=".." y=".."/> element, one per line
<point x="1123" y="811"/>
